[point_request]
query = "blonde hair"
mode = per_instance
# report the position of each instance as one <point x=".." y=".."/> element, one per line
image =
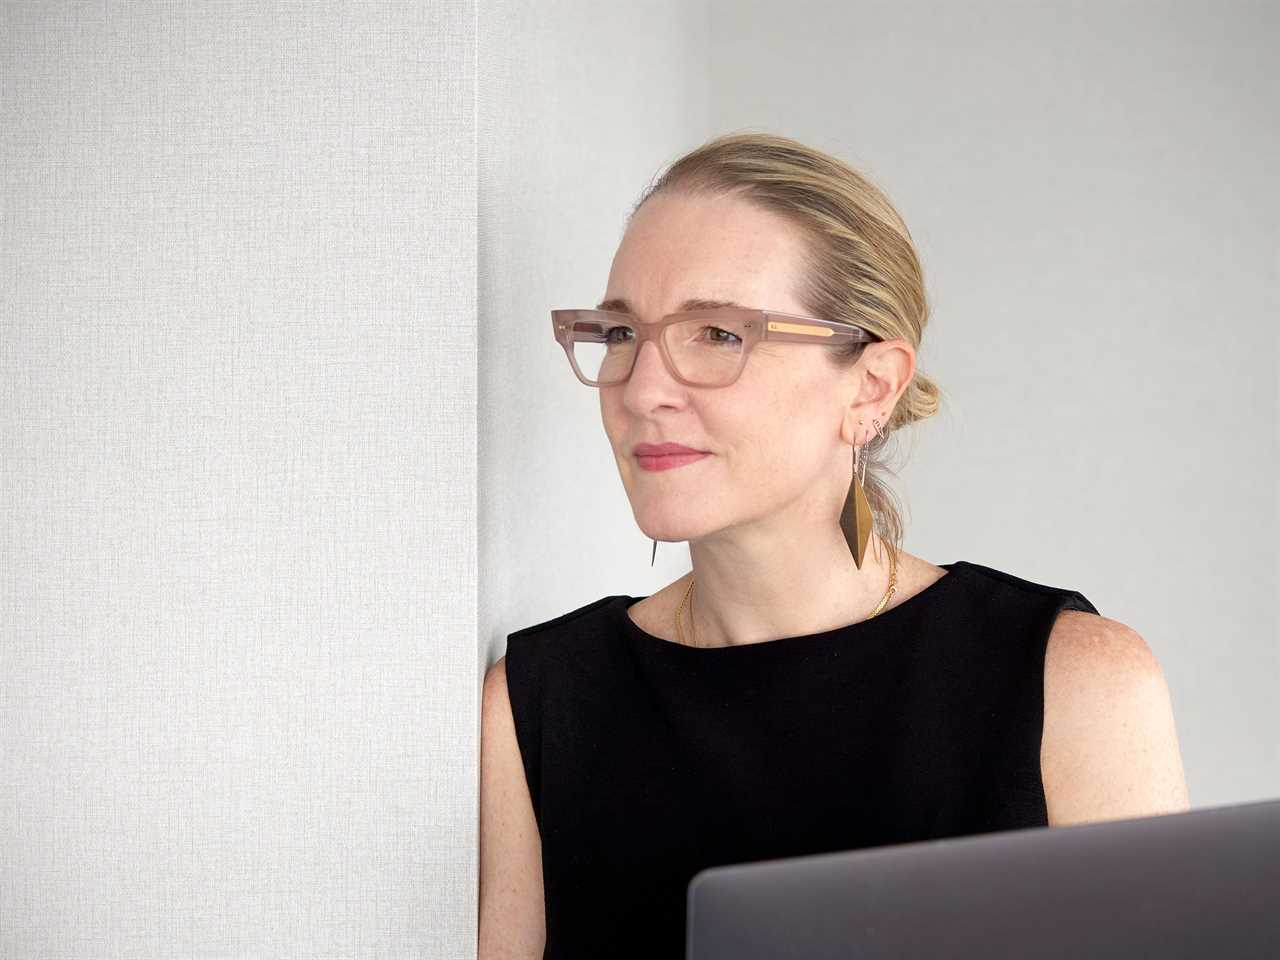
<point x="860" y="264"/>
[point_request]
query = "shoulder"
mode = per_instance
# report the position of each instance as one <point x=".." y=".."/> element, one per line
<point x="1087" y="642"/>
<point x="496" y="718"/>
<point x="565" y="620"/>
<point x="1109" y="748"/>
<point x="495" y="679"/>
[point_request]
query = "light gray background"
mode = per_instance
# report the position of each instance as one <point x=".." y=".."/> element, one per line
<point x="1092" y="190"/>
<point x="239" y="413"/>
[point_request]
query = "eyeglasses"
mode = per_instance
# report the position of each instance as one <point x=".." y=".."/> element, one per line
<point x="701" y="348"/>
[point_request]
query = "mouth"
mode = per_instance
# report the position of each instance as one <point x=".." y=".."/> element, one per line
<point x="663" y="449"/>
<point x="669" y="461"/>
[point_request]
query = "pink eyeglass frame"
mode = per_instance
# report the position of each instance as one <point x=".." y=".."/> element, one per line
<point x="757" y="325"/>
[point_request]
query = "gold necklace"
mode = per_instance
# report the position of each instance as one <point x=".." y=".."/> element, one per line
<point x="893" y="580"/>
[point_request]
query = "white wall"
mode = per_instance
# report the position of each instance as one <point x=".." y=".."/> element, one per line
<point x="578" y="108"/>
<point x="1091" y="187"/>
<point x="238" y="688"/>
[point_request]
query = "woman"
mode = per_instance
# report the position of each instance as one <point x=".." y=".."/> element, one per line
<point x="809" y="686"/>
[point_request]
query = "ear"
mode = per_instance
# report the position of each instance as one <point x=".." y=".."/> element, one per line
<point x="878" y="380"/>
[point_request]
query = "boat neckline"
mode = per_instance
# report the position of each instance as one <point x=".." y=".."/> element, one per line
<point x="633" y="630"/>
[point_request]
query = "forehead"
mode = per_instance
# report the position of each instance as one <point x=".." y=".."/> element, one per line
<point x="678" y="248"/>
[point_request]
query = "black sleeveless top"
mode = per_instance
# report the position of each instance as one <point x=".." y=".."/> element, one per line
<point x="648" y="760"/>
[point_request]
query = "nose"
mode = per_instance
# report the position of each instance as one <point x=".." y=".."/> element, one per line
<point x="650" y="381"/>
<point x="648" y="356"/>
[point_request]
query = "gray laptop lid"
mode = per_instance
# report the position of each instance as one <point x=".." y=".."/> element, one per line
<point x="1205" y="883"/>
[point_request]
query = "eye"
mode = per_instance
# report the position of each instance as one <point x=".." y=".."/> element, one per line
<point x="609" y="334"/>
<point x="715" y="330"/>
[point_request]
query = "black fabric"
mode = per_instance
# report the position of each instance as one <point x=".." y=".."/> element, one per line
<point x="648" y="761"/>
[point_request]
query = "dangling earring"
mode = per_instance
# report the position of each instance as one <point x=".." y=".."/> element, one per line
<point x="855" y="518"/>
<point x="655" y="553"/>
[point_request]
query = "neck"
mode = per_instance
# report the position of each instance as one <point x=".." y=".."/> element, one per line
<point x="793" y="589"/>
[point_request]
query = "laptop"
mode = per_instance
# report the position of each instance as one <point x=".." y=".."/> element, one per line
<point x="1203" y="883"/>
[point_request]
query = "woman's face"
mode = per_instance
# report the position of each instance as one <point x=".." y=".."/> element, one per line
<point x="774" y="436"/>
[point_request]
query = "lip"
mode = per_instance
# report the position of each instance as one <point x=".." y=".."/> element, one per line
<point x="663" y="449"/>
<point x="671" y="461"/>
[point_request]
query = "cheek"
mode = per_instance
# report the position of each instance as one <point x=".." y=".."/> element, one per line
<point x="611" y="416"/>
<point x="783" y="442"/>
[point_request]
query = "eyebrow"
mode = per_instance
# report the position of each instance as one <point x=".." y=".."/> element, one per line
<point x="620" y="305"/>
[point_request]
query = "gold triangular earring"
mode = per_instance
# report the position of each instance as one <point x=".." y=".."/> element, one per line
<point x="855" y="517"/>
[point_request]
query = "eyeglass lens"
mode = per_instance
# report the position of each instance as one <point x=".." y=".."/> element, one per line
<point x="706" y="350"/>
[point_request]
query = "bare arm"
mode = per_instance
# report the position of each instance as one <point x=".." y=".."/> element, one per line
<point x="512" y="921"/>
<point x="1110" y="746"/>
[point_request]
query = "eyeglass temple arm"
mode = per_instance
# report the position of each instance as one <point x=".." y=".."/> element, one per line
<point x="809" y="332"/>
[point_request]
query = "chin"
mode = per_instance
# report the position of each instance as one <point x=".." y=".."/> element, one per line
<point x="671" y="532"/>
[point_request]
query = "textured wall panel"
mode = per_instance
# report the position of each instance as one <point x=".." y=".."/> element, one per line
<point x="238" y="679"/>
